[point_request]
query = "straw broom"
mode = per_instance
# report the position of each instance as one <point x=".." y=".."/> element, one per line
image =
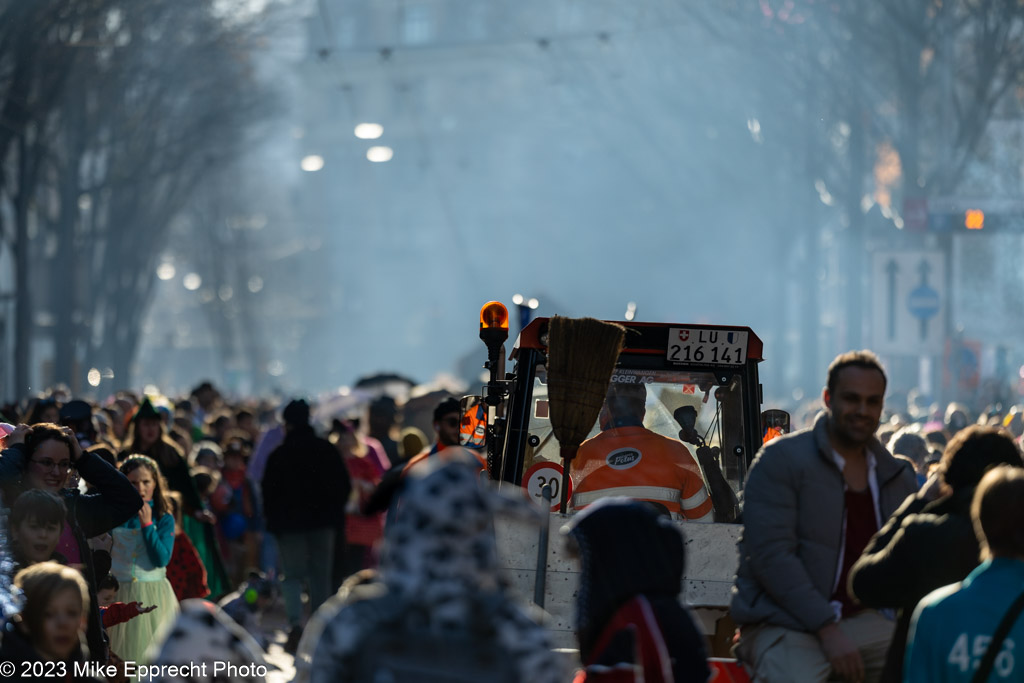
<point x="582" y="353"/>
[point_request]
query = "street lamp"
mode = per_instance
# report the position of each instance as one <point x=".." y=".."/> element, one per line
<point x="380" y="154"/>
<point x="369" y="131"/>
<point x="312" y="163"/>
<point x="166" y="271"/>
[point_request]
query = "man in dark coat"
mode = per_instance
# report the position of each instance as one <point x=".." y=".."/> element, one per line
<point x="305" y="489"/>
<point x="929" y="542"/>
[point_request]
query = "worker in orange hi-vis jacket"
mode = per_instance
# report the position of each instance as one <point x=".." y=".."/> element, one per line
<point x="627" y="459"/>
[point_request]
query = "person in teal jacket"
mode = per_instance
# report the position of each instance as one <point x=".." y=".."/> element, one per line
<point x="952" y="627"/>
<point x="139" y="557"/>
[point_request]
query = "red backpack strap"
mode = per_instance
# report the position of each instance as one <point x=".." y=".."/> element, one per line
<point x="651" y="653"/>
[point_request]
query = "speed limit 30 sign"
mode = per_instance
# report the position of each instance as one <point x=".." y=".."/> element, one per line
<point x="543" y="474"/>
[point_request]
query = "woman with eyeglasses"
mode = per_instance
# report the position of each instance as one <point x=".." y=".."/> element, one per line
<point x="46" y="456"/>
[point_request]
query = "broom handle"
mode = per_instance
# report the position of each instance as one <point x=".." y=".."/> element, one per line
<point x="540" y="580"/>
<point x="567" y="455"/>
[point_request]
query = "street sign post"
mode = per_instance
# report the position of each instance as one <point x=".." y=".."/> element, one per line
<point x="915" y="214"/>
<point x="908" y="302"/>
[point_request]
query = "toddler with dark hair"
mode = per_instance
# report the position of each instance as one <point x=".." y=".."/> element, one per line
<point x="114" y="613"/>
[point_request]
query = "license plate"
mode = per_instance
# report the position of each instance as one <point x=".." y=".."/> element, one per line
<point x="707" y="347"/>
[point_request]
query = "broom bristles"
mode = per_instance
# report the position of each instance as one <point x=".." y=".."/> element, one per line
<point x="582" y="353"/>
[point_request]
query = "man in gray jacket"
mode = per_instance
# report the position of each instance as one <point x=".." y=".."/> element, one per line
<point x="813" y="499"/>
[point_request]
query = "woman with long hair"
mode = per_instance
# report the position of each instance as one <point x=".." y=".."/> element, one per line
<point x="139" y="556"/>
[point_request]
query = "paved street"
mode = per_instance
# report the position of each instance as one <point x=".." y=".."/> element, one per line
<point x="276" y="625"/>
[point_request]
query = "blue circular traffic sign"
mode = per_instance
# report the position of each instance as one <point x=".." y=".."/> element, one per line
<point x="923" y="302"/>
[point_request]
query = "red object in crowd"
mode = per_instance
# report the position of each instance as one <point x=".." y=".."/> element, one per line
<point x="185" y="571"/>
<point x="363" y="529"/>
<point x="727" y="671"/>
<point x="772" y="433"/>
<point x="620" y="674"/>
<point x="652" y="663"/>
<point x="119" y="612"/>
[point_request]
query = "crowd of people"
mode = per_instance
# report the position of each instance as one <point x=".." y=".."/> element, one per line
<point x="876" y="545"/>
<point x="140" y="504"/>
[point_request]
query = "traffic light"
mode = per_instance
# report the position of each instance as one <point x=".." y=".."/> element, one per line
<point x="977" y="222"/>
<point x="974" y="216"/>
<point x="974" y="219"/>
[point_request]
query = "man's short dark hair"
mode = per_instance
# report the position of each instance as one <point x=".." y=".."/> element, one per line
<point x="104" y="452"/>
<point x="998" y="513"/>
<point x="936" y="437"/>
<point x="446" y="407"/>
<point x="383" y="405"/>
<point x="856" y="359"/>
<point x="973" y="452"/>
<point x="957" y="417"/>
<point x="634" y="391"/>
<point x="296" y="413"/>
<point x="911" y="445"/>
<point x="626" y="399"/>
<point x="75" y="411"/>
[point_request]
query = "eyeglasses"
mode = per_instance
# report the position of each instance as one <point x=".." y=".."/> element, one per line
<point x="47" y="465"/>
<point x="451" y="421"/>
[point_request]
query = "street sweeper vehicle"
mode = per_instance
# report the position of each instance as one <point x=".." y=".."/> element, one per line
<point x="699" y="385"/>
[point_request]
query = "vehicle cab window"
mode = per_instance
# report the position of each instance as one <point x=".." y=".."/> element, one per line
<point x="696" y="408"/>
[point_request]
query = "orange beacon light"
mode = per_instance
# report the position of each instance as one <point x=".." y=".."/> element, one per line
<point x="494" y="315"/>
<point x="493" y="333"/>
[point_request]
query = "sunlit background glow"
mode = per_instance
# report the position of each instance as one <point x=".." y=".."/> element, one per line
<point x="380" y="154"/>
<point x="192" y="282"/>
<point x="312" y="163"/>
<point x="369" y="131"/>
